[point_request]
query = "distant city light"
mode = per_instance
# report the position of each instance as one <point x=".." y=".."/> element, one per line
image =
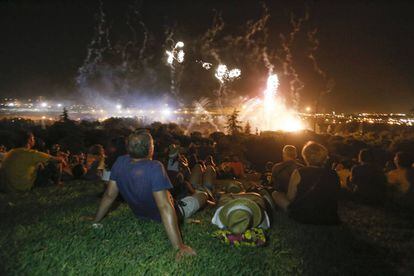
<point x="166" y="112"/>
<point x="43" y="104"/>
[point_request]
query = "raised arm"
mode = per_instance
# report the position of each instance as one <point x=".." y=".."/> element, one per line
<point x="170" y="221"/>
<point x="108" y="198"/>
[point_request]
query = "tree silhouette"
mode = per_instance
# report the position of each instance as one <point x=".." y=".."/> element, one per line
<point x="233" y="124"/>
<point x="65" y="115"/>
<point x="247" y="128"/>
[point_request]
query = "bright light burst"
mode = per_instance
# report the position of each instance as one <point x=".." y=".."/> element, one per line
<point x="234" y="73"/>
<point x="180" y="56"/>
<point x="170" y="57"/>
<point x="270" y="113"/>
<point x="176" y="53"/>
<point x="207" y="65"/>
<point x="223" y="74"/>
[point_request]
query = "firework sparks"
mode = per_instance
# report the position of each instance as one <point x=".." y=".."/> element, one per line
<point x="180" y="56"/>
<point x="223" y="74"/>
<point x="270" y="112"/>
<point x="179" y="44"/>
<point x="177" y="53"/>
<point x="207" y="65"/>
<point x="234" y="73"/>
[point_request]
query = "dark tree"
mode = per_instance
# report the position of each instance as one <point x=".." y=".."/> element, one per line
<point x="247" y="128"/>
<point x="65" y="115"/>
<point x="233" y="123"/>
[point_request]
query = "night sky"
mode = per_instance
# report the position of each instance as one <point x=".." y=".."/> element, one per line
<point x="366" y="47"/>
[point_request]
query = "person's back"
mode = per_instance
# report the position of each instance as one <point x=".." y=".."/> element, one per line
<point x="316" y="196"/>
<point x="137" y="180"/>
<point x="281" y="173"/>
<point x="369" y="183"/>
<point x="20" y="168"/>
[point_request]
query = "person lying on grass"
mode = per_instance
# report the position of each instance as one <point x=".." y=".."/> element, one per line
<point x="312" y="195"/>
<point x="144" y="185"/>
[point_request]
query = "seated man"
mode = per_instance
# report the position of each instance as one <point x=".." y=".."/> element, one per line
<point x="23" y="167"/>
<point x="144" y="185"/>
<point x="237" y="167"/>
<point x="367" y="180"/>
<point x="401" y="179"/>
<point x="313" y="190"/>
<point x="95" y="163"/>
<point x="282" y="171"/>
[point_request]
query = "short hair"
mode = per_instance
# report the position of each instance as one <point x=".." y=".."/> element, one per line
<point x="365" y="155"/>
<point x="139" y="143"/>
<point x="269" y="165"/>
<point x="314" y="153"/>
<point x="24" y="137"/>
<point x="96" y="149"/>
<point x="403" y="159"/>
<point x="290" y="151"/>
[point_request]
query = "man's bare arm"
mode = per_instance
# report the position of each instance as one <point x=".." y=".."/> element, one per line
<point x="168" y="217"/>
<point x="108" y="198"/>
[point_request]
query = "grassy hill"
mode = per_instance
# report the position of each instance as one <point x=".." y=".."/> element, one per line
<point x="41" y="234"/>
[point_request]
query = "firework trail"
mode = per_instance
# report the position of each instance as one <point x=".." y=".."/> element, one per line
<point x="208" y="47"/>
<point x="99" y="44"/>
<point x="296" y="85"/>
<point x="174" y="55"/>
<point x="314" y="42"/>
<point x="134" y="21"/>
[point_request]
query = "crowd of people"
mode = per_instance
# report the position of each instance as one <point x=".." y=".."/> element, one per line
<point x="173" y="182"/>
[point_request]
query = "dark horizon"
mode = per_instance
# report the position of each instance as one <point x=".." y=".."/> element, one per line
<point x="365" y="47"/>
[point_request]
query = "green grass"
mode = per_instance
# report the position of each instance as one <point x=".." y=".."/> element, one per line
<point x="41" y="234"/>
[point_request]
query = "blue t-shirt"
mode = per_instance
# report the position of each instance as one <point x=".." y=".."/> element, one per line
<point x="137" y="181"/>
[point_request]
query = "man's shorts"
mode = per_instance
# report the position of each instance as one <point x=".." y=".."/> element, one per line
<point x="188" y="206"/>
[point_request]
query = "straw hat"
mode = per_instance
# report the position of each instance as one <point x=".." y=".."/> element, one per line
<point x="241" y="214"/>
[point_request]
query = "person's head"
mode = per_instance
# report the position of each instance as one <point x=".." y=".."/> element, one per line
<point x="117" y="145"/>
<point x="365" y="156"/>
<point x="55" y="149"/>
<point x="269" y="166"/>
<point x="210" y="161"/>
<point x="96" y="150"/>
<point x="289" y="153"/>
<point x="343" y="165"/>
<point x="27" y="140"/>
<point x="314" y="154"/>
<point x="140" y="145"/>
<point x="78" y="171"/>
<point x="403" y="160"/>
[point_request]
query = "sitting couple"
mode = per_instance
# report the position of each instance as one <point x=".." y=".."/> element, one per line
<point x="312" y="193"/>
